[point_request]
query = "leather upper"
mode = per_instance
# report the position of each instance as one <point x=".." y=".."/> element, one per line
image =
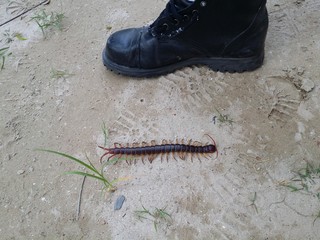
<point x="201" y="31"/>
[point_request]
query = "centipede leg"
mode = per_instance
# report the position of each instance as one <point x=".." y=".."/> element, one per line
<point x="205" y="155"/>
<point x="164" y="142"/>
<point x="143" y="158"/>
<point x="117" y="145"/>
<point x="151" y="157"/>
<point x="174" y="153"/>
<point x="199" y="156"/>
<point x="128" y="160"/>
<point x="133" y="155"/>
<point x="118" y="158"/>
<point x="162" y="152"/>
<point x="174" y="156"/>
<point x="198" y="144"/>
<point x="182" y="155"/>
<point x="191" y="154"/>
<point x="143" y="144"/>
<point x="161" y="157"/>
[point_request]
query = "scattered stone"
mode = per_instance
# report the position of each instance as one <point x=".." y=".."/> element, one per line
<point x="102" y="222"/>
<point x="119" y="202"/>
<point x="20" y="172"/>
<point x="307" y="85"/>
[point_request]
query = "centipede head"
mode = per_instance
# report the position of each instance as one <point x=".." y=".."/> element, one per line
<point x="213" y="148"/>
<point x="106" y="153"/>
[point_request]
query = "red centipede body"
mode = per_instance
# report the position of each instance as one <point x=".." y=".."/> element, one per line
<point x="154" y="150"/>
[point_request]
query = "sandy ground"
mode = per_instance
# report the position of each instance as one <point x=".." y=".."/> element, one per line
<point x="265" y="123"/>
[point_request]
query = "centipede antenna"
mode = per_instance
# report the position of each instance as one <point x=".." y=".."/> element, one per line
<point x="104" y="148"/>
<point x="106" y="153"/>
<point x="213" y="141"/>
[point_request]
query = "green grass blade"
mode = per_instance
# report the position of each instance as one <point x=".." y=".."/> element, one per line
<point x="155" y="225"/>
<point x="3" y="61"/>
<point x="105" y="133"/>
<point x="20" y="37"/>
<point x="89" y="175"/>
<point x="71" y="158"/>
<point x="3" y="50"/>
<point x="163" y="213"/>
<point x="293" y="188"/>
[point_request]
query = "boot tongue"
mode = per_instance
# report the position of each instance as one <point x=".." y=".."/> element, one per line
<point x="182" y="4"/>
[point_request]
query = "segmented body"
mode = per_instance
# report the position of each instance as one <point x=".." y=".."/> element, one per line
<point x="153" y="150"/>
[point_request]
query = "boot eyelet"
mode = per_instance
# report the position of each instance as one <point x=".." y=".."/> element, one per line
<point x="166" y="26"/>
<point x="203" y="3"/>
<point x="186" y="18"/>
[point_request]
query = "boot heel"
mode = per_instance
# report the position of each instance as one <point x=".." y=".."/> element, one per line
<point x="238" y="65"/>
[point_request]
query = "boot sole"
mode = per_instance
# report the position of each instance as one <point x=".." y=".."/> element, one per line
<point x="218" y="64"/>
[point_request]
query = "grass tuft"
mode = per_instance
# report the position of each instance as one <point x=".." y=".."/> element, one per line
<point x="92" y="171"/>
<point x="56" y="73"/>
<point x="105" y="133"/>
<point x="4" y="53"/>
<point x="224" y="118"/>
<point x="306" y="179"/>
<point x="158" y="216"/>
<point x="48" y="21"/>
<point x="253" y="202"/>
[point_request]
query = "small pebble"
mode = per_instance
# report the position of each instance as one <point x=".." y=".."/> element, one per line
<point x="19" y="172"/>
<point x="307" y="85"/>
<point x="119" y="202"/>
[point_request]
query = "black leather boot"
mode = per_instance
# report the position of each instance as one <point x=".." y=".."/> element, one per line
<point x="225" y="35"/>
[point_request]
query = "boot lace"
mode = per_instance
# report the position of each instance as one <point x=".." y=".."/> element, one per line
<point x="172" y="21"/>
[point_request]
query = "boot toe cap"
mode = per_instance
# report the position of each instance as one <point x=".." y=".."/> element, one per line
<point x="122" y="48"/>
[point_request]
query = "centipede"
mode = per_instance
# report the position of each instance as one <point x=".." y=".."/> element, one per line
<point x="166" y="148"/>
